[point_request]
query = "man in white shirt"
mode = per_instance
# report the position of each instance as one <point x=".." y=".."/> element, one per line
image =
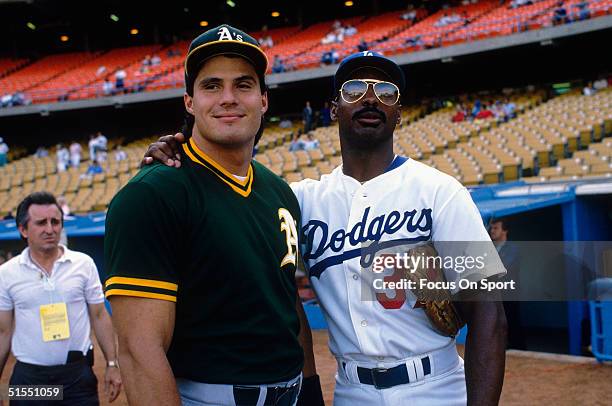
<point x="101" y="145"/>
<point x="63" y="158"/>
<point x="53" y="296"/>
<point x="75" y="154"/>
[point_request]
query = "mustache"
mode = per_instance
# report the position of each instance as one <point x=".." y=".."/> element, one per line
<point x="374" y="110"/>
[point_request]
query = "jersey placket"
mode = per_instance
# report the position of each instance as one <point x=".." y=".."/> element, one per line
<point x="361" y="308"/>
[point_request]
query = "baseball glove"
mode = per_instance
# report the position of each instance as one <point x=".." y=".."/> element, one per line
<point x="436" y="302"/>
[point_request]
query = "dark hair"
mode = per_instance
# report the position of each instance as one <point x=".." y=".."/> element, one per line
<point x="45" y="198"/>
<point x="504" y="223"/>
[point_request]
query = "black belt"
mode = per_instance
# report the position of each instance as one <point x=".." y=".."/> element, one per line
<point x="275" y="396"/>
<point x="383" y="378"/>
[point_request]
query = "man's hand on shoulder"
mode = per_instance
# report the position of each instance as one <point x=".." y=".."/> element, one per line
<point x="165" y="150"/>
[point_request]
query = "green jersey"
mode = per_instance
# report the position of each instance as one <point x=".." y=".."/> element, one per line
<point x="225" y="250"/>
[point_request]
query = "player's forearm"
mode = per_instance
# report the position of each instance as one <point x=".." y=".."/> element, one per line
<point x="305" y="339"/>
<point x="485" y="354"/>
<point x="105" y="334"/>
<point x="5" y="348"/>
<point x="147" y="376"/>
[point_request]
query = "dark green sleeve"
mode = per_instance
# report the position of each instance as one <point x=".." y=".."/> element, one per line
<point x="142" y="244"/>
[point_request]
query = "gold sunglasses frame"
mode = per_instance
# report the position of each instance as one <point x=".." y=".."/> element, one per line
<point x="369" y="82"/>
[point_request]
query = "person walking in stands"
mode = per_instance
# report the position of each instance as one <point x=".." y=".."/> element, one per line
<point x="307" y="117"/>
<point x="75" y="154"/>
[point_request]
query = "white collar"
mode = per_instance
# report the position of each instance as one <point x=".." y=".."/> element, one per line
<point x="25" y="259"/>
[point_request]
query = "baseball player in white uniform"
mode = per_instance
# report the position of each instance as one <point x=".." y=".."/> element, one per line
<point x="387" y="350"/>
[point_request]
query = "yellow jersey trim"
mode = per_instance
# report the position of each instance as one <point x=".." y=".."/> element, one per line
<point x="137" y="293"/>
<point x="243" y="188"/>
<point x="141" y="282"/>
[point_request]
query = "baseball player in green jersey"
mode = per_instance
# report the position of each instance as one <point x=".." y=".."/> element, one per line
<point x="201" y="260"/>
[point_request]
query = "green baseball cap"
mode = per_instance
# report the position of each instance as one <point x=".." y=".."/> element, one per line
<point x="223" y="40"/>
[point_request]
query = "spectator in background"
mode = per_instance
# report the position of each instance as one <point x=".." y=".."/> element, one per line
<point x="286" y="123"/>
<point x="330" y="57"/>
<point x="19" y="99"/>
<point x="101" y="70"/>
<point x="410" y="14"/>
<point x="297" y="144"/>
<point x="9" y="216"/>
<point x="325" y="115"/>
<point x="349" y="30"/>
<point x="120" y="76"/>
<point x="75" y="154"/>
<point x="92" y="147"/>
<point x="4" y="149"/>
<point x="414" y="41"/>
<point x="277" y="65"/>
<point x="266" y="42"/>
<point x="509" y="255"/>
<point x="362" y="46"/>
<point x="100" y="145"/>
<point x="484" y="113"/>
<point x="63" y="158"/>
<point x="330" y="38"/>
<point x="582" y="12"/>
<point x="107" y="87"/>
<point x="560" y="14"/>
<point x="311" y="142"/>
<point x="476" y="108"/>
<point x="509" y="109"/>
<point x="460" y="115"/>
<point x="155" y="60"/>
<point x="498" y="111"/>
<point x="600" y="84"/>
<point x="93" y="169"/>
<point x="120" y="154"/>
<point x="6" y="100"/>
<point x="307" y="117"/>
<point x="589" y="90"/>
<point x="520" y="3"/>
<point x="41" y="152"/>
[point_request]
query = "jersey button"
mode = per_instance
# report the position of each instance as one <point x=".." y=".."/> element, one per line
<point x="355" y="276"/>
<point x="364" y="323"/>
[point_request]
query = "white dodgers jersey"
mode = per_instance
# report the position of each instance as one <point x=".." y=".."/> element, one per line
<point x="410" y="202"/>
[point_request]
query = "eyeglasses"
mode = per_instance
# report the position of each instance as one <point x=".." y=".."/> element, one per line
<point x="353" y="90"/>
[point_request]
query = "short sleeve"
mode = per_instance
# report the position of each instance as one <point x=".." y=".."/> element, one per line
<point x="298" y="190"/>
<point x="141" y="244"/>
<point x="461" y="240"/>
<point x="93" y="289"/>
<point x="6" y="302"/>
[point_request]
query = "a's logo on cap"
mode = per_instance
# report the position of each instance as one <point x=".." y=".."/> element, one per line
<point x="225" y="35"/>
<point x="368" y="53"/>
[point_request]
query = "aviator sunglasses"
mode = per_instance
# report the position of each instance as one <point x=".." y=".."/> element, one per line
<point x="353" y="90"/>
